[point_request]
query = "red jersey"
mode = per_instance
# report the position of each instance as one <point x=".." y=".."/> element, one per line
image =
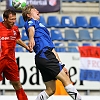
<point x="8" y="39"/>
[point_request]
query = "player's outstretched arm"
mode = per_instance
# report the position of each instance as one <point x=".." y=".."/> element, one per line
<point x="31" y="32"/>
<point x="20" y="42"/>
<point x="63" y="65"/>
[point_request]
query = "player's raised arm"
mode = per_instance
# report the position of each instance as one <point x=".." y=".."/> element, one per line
<point x="31" y="31"/>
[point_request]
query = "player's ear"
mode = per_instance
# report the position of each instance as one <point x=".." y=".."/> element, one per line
<point x="4" y="19"/>
<point x="28" y="15"/>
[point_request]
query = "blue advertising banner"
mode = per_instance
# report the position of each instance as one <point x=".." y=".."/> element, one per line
<point x="43" y="6"/>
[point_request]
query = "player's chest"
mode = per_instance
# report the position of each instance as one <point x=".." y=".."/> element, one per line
<point x="7" y="34"/>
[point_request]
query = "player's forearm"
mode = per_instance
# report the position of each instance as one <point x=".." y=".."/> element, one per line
<point x="31" y="31"/>
<point x="20" y="42"/>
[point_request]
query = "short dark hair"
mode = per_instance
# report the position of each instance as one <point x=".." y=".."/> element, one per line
<point x="7" y="12"/>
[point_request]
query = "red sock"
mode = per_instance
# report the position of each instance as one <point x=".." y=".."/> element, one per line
<point x="21" y="94"/>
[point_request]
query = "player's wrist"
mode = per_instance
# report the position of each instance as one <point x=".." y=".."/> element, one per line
<point x="62" y="64"/>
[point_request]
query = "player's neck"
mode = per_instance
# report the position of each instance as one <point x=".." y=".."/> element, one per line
<point x="7" y="26"/>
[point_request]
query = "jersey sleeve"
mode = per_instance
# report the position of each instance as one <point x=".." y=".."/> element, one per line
<point x="31" y="23"/>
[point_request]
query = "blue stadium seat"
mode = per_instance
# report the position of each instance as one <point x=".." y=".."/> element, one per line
<point x="98" y="44"/>
<point x="70" y="35"/>
<point x="64" y="0"/>
<point x="60" y="47"/>
<point x="56" y="35"/>
<point x="96" y="35"/>
<point x="81" y="21"/>
<point x="21" y="22"/>
<point x="94" y="22"/>
<point x="84" y="35"/>
<point x="72" y="47"/>
<point x="81" y="0"/>
<point x="23" y="35"/>
<point x="19" y="48"/>
<point x="86" y="44"/>
<point x="53" y="21"/>
<point x="93" y="1"/>
<point x="67" y="0"/>
<point x="67" y="21"/>
<point x="1" y="19"/>
<point x="43" y="21"/>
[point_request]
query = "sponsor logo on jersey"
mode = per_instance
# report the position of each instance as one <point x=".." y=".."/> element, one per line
<point x="41" y="25"/>
<point x="7" y="38"/>
<point x="14" y="32"/>
<point x="30" y="22"/>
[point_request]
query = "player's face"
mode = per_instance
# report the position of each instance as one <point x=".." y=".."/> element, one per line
<point x="10" y="21"/>
<point x="35" y="14"/>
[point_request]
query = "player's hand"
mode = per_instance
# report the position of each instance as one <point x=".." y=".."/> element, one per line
<point x="31" y="45"/>
<point x="29" y="49"/>
<point x="62" y="64"/>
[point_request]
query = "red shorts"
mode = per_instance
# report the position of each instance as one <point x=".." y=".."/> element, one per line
<point x="10" y="69"/>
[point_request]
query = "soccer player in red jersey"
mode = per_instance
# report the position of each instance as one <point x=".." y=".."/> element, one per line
<point x="9" y="36"/>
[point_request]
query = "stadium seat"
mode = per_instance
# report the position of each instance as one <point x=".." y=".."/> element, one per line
<point x="86" y="44"/>
<point x="67" y="0"/>
<point x="72" y="47"/>
<point x="42" y="20"/>
<point x="21" y="22"/>
<point x="81" y="0"/>
<point x="93" y="1"/>
<point x="23" y="35"/>
<point x="60" y="47"/>
<point x="84" y="35"/>
<point x="53" y="21"/>
<point x="70" y="35"/>
<point x="96" y="35"/>
<point x="1" y="19"/>
<point x="56" y="35"/>
<point x="81" y="21"/>
<point x="94" y="22"/>
<point x="19" y="48"/>
<point x="98" y="44"/>
<point x="66" y="21"/>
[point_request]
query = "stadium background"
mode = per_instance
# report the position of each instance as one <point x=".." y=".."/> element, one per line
<point x="74" y="18"/>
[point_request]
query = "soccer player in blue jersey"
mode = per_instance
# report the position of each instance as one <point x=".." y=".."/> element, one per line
<point x="46" y="58"/>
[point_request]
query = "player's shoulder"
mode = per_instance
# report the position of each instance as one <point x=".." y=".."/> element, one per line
<point x="1" y="24"/>
<point x="15" y="28"/>
<point x="31" y="21"/>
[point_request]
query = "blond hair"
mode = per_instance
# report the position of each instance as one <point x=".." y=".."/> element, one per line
<point x="26" y="11"/>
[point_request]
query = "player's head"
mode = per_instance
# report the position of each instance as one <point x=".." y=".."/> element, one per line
<point x="9" y="17"/>
<point x="30" y="12"/>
